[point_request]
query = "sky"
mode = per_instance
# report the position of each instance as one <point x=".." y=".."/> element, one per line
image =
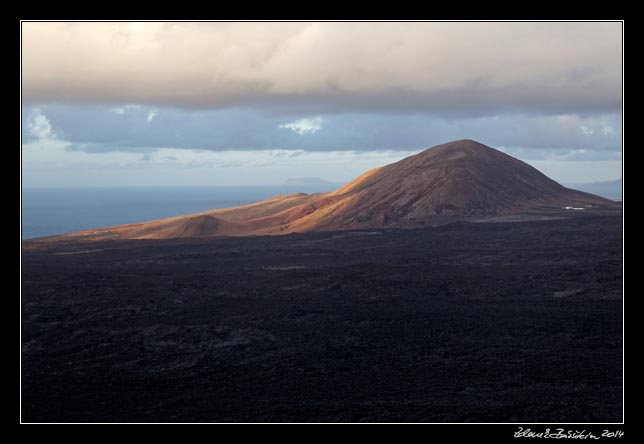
<point x="234" y="103"/>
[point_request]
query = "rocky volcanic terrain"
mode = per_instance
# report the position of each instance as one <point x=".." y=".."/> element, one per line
<point x="485" y="322"/>
<point x="494" y="304"/>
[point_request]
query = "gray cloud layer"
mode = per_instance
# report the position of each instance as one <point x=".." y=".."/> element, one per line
<point x="99" y="128"/>
<point x="473" y="68"/>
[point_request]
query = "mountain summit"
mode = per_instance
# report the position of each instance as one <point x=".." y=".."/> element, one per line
<point x="460" y="179"/>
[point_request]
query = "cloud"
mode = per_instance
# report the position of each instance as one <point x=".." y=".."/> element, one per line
<point x="37" y="126"/>
<point x="476" y="68"/>
<point x="304" y="126"/>
<point x="120" y="110"/>
<point x="96" y="128"/>
<point x="48" y="162"/>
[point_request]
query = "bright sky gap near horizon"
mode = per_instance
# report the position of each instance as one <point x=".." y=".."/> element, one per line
<point x="227" y="103"/>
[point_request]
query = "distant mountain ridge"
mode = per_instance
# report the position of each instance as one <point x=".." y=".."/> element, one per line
<point x="610" y="189"/>
<point x="460" y="179"/>
<point x="306" y="181"/>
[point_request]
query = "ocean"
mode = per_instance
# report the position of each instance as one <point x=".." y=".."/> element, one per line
<point x="49" y="211"/>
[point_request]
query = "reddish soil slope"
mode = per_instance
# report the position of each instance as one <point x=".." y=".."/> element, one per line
<point x="454" y="180"/>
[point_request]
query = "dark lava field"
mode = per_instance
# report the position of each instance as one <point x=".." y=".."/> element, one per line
<point x="466" y="322"/>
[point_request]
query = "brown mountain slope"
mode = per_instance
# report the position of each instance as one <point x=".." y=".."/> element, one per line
<point x="457" y="179"/>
